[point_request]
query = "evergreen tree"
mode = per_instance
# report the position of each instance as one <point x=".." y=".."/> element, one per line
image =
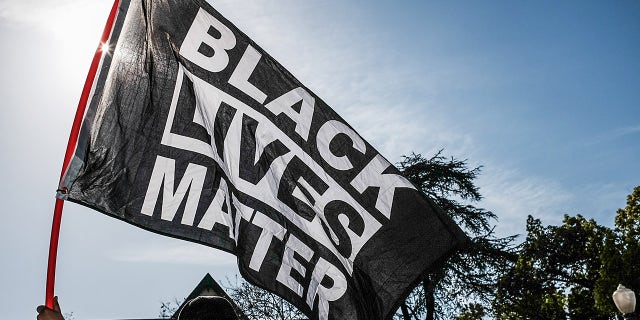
<point x="470" y="276"/>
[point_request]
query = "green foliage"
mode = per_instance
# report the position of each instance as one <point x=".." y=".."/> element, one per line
<point x="571" y="270"/>
<point x="472" y="311"/>
<point x="555" y="274"/>
<point x="620" y="257"/>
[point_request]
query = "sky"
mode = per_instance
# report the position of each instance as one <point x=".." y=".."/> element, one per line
<point x="545" y="95"/>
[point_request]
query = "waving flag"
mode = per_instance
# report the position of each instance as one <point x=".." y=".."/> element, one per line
<point x="194" y="132"/>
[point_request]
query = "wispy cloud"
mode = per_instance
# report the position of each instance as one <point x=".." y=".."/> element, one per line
<point x="512" y="195"/>
<point x="369" y="85"/>
<point x="620" y="132"/>
<point x="174" y="253"/>
<point x="615" y="134"/>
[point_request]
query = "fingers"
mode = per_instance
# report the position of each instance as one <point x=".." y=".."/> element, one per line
<point x="56" y="305"/>
<point x="45" y="313"/>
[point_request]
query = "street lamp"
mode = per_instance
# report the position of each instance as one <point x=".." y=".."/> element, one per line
<point x="625" y="301"/>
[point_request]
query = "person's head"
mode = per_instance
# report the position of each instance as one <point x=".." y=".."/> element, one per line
<point x="208" y="308"/>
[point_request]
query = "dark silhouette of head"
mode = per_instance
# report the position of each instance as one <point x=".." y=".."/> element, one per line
<point x="208" y="308"/>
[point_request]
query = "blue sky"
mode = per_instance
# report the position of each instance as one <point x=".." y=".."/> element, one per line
<point x="545" y="95"/>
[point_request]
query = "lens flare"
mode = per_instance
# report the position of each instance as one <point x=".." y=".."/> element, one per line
<point x="104" y="48"/>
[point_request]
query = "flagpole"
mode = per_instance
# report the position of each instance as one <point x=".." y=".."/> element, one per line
<point x="71" y="147"/>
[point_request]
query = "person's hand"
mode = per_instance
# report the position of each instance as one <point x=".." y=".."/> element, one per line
<point x="45" y="313"/>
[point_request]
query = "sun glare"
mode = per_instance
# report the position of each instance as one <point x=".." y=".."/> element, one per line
<point x="104" y="48"/>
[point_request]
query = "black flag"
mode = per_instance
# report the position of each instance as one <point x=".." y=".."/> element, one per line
<point x="194" y="132"/>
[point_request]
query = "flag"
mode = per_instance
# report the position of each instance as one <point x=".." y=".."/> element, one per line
<point x="194" y="132"/>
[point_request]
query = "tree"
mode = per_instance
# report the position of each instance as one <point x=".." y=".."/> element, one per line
<point x="620" y="257"/>
<point x="472" y="311"/>
<point x="469" y="277"/>
<point x="555" y="274"/>
<point x="570" y="271"/>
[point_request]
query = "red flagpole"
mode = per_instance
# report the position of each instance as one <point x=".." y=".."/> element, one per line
<point x="71" y="147"/>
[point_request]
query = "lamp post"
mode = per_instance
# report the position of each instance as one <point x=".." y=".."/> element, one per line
<point x="625" y="300"/>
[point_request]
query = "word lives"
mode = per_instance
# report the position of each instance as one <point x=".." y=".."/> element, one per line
<point x="265" y="175"/>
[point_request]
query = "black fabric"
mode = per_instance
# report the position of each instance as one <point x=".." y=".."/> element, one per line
<point x="194" y="132"/>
